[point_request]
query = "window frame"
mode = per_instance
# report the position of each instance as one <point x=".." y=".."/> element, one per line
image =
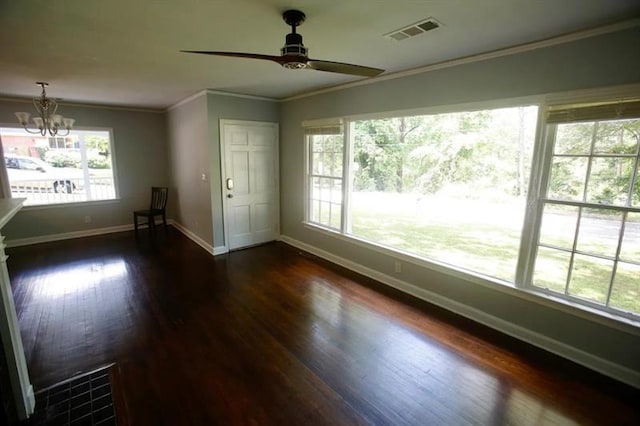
<point x="538" y="182"/>
<point x="114" y="170"/>
<point x="541" y="199"/>
<point x="322" y="128"/>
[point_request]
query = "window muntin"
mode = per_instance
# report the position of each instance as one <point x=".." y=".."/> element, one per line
<point x="589" y="240"/>
<point x="83" y="171"/>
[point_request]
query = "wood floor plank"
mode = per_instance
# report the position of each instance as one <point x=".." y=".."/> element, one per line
<point x="271" y="335"/>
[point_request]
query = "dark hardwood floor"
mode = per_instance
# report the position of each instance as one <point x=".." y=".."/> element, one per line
<point x="270" y="335"/>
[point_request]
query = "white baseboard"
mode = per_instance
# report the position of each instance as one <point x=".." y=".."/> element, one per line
<point x="30" y="401"/>
<point x="67" y="235"/>
<point x="220" y="250"/>
<point x="193" y="237"/>
<point x="569" y="352"/>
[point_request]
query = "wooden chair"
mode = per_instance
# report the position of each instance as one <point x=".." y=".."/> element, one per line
<point x="156" y="208"/>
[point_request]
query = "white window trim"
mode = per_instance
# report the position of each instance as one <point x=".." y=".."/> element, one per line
<point x="113" y="168"/>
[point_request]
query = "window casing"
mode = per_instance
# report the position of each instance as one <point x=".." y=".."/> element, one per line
<point x="585" y="185"/>
<point x="325" y="154"/>
<point x="82" y="172"/>
<point x="588" y="245"/>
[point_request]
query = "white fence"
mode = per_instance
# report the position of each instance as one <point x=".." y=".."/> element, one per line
<point x="48" y="191"/>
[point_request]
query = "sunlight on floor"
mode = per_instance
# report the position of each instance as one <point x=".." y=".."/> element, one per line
<point x="84" y="277"/>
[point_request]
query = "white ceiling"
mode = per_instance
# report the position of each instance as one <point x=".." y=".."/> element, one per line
<point x="126" y="52"/>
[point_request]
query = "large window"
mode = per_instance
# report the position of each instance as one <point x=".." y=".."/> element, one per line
<point x="76" y="168"/>
<point x="453" y="188"/>
<point x="589" y="242"/>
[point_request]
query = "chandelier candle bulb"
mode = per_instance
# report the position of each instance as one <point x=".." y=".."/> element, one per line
<point x="23" y="118"/>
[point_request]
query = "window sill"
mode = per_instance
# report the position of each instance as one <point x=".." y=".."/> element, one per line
<point x="74" y="204"/>
<point x="542" y="298"/>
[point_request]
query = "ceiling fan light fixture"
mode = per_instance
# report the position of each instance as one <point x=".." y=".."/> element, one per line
<point x="294" y="55"/>
<point x="295" y="65"/>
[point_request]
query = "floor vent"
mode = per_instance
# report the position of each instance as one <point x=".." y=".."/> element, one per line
<point x="413" y="30"/>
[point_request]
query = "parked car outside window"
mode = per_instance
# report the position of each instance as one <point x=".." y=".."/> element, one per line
<point x="33" y="173"/>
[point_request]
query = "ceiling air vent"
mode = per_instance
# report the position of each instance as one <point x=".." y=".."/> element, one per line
<point x="414" y="29"/>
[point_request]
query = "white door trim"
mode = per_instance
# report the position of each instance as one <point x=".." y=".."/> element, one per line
<point x="223" y="173"/>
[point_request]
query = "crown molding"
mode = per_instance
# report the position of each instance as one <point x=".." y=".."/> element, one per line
<point x="83" y="105"/>
<point x="240" y="95"/>
<point x="521" y="48"/>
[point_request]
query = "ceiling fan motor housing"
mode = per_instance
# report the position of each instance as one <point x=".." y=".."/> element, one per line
<point x="293" y="45"/>
<point x="294" y="52"/>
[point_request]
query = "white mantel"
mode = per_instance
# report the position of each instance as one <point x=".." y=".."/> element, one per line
<point x="9" y="329"/>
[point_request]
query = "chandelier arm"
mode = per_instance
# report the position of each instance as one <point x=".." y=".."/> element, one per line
<point x="36" y="131"/>
<point x="48" y="121"/>
<point x="57" y="132"/>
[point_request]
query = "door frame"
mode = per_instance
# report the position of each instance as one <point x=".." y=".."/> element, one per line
<point x="223" y="173"/>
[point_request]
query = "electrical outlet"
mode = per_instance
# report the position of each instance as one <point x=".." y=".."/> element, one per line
<point x="397" y="267"/>
<point x="87" y="219"/>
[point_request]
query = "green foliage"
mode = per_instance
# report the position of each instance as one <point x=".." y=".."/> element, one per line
<point x="610" y="171"/>
<point x="98" y="162"/>
<point x="42" y="151"/>
<point x="63" y="158"/>
<point x="98" y="143"/>
<point x="427" y="154"/>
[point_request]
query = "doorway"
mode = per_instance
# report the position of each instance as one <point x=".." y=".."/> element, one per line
<point x="250" y="184"/>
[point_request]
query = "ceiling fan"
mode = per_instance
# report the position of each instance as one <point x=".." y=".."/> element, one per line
<point x="294" y="54"/>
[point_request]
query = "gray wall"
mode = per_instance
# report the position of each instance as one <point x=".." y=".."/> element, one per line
<point x="612" y="59"/>
<point x="194" y="144"/>
<point x="141" y="161"/>
<point x="189" y="154"/>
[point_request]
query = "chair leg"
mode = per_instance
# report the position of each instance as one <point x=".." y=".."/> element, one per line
<point x="164" y="221"/>
<point x="152" y="227"/>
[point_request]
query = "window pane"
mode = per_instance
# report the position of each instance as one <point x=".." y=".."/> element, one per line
<point x="551" y="269"/>
<point x="567" y="179"/>
<point x="314" y="188"/>
<point x="610" y="180"/>
<point x="316" y="163"/>
<point x="325" y="213"/>
<point x="574" y="138"/>
<point x="590" y="278"/>
<point x="59" y="170"/>
<point x="449" y="187"/>
<point x="315" y="211"/>
<point x="630" y="249"/>
<point x="599" y="231"/>
<point x="625" y="293"/>
<point x="558" y="225"/>
<point x="617" y="137"/>
<point x="336" y="216"/>
<point x="336" y="191"/>
<point x="325" y="191"/>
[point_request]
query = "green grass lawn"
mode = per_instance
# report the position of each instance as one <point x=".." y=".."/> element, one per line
<point x="485" y="238"/>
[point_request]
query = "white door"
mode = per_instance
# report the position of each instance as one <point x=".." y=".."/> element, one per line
<point x="250" y="182"/>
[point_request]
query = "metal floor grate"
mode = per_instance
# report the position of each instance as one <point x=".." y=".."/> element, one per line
<point x="79" y="401"/>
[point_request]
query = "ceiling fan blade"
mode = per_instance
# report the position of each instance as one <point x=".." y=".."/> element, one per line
<point x="343" y="68"/>
<point x="277" y="59"/>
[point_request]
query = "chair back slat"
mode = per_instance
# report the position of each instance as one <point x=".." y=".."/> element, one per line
<point x="159" y="195"/>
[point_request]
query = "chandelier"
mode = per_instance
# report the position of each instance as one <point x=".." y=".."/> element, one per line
<point x="47" y="120"/>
